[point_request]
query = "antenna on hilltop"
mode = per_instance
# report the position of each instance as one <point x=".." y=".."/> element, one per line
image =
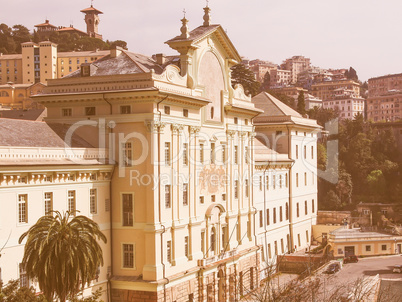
<point x="207" y="3"/>
<point x="184" y="12"/>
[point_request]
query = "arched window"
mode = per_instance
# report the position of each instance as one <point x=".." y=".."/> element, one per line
<point x="4" y="93"/>
<point x="20" y="95"/>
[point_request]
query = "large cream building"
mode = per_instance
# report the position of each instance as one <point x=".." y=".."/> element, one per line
<point x="181" y="198"/>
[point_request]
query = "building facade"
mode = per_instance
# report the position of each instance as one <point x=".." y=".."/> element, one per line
<point x="384" y="100"/>
<point x="184" y="191"/>
<point x="296" y="65"/>
<point x="326" y="90"/>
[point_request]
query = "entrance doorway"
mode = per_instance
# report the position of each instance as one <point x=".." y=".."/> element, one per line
<point x="221" y="286"/>
<point x="398" y="248"/>
<point x="349" y="251"/>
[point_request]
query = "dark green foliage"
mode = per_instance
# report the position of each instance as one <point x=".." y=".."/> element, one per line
<point x="322" y="115"/>
<point x="62" y="254"/>
<point x="301" y="105"/>
<point x="11" y="292"/>
<point x="351" y="74"/>
<point x="11" y="39"/>
<point x="369" y="167"/>
<point x="244" y="76"/>
<point x="267" y="82"/>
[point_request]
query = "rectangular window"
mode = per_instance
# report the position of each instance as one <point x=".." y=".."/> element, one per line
<point x="167" y="153"/>
<point x="282" y="246"/>
<point x="201" y="153"/>
<point x="286" y="180"/>
<point x="312" y="206"/>
<point x="185" y="194"/>
<point x="169" y="251"/>
<point x="223" y="154"/>
<point x="246" y="155"/>
<point x="66" y="112"/>
<point x="213" y="198"/>
<point x="48" y="203"/>
<point x="280" y="214"/>
<point x="267" y="216"/>
<point x="298" y="239"/>
<point x="305" y="152"/>
<point x="368" y="248"/>
<point x="276" y="247"/>
<point x="305" y="178"/>
<point x="267" y="182"/>
<point x="125" y="109"/>
<point x="212" y="153"/>
<point x="261" y="219"/>
<point x="312" y="152"/>
<point x="297" y="179"/>
<point x="305" y="207"/>
<point x="24" y="282"/>
<point x="186" y="246"/>
<point x="223" y="197"/>
<point x="201" y="199"/>
<point x="236" y="160"/>
<point x="246" y="187"/>
<point x="23" y="208"/>
<point x="203" y="242"/>
<point x="274" y="181"/>
<point x="71" y="202"/>
<point x="89" y="110"/>
<point x="384" y="247"/>
<point x="297" y="210"/>
<point x="297" y="151"/>
<point x="128" y="255"/>
<point x="128" y="209"/>
<point x="167" y="196"/>
<point x="22" y="180"/>
<point x="236" y="189"/>
<point x="185" y="154"/>
<point x="93" y="201"/>
<point x="185" y="112"/>
<point x="260" y="183"/>
<point x="127" y="154"/>
<point x="274" y="216"/>
<point x="307" y="236"/>
<point x="167" y="109"/>
<point x="269" y="251"/>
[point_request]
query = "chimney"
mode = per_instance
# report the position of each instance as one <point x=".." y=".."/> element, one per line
<point x="115" y="51"/>
<point x="160" y="58"/>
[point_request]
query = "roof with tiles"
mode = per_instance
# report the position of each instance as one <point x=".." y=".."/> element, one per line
<point x="125" y="63"/>
<point x="23" y="133"/>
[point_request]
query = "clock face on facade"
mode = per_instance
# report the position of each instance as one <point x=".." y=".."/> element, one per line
<point x="210" y="76"/>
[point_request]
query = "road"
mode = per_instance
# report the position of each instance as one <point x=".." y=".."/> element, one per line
<point x="350" y="273"/>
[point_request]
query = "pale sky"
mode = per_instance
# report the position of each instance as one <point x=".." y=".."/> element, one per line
<point x="365" y="34"/>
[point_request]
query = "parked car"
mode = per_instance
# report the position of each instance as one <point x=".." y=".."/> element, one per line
<point x="397" y="269"/>
<point x="333" y="268"/>
<point x="350" y="259"/>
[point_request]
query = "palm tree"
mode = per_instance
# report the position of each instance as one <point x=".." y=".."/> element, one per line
<point x="62" y="253"/>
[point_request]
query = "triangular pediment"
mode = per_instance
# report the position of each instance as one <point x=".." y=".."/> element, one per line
<point x="197" y="35"/>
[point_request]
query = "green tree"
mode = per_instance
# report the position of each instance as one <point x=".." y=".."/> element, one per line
<point x="322" y="115"/>
<point x="267" y="82"/>
<point x="244" y="76"/>
<point x="351" y="74"/>
<point x="12" y="292"/>
<point x="62" y="254"/>
<point x="301" y="105"/>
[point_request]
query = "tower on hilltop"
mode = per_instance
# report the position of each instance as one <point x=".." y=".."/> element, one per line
<point x="92" y="21"/>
